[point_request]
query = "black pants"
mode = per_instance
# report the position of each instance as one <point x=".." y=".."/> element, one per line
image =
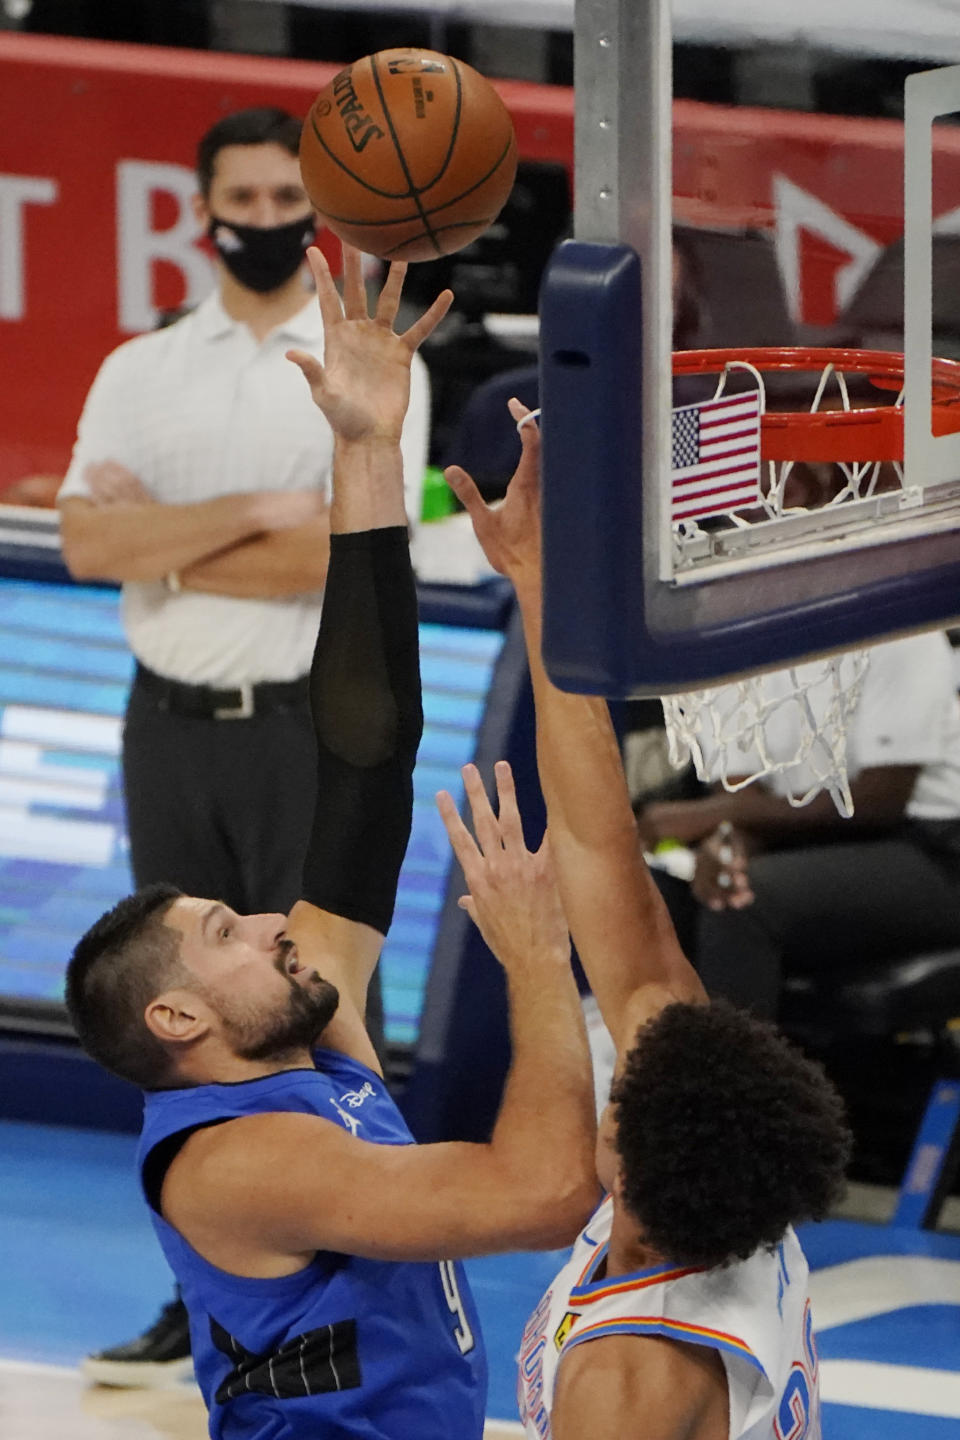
<point x="818" y="908"/>
<point x="223" y="808"/>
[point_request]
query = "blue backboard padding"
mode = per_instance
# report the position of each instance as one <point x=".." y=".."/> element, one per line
<point x="590" y="386"/>
<point x="62" y="651"/>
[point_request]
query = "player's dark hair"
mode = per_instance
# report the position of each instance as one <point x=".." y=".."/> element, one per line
<point x="726" y="1135"/>
<point x="260" y="125"/>
<point x="127" y="958"/>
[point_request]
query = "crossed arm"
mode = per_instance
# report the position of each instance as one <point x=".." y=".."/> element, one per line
<point x="270" y="566"/>
<point x="260" y="544"/>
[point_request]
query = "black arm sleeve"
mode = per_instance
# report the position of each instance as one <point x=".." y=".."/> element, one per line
<point x="368" y="718"/>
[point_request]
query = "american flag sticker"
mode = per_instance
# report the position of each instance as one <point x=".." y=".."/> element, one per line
<point x="715" y="458"/>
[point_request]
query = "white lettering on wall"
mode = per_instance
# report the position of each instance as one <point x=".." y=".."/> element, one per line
<point x="138" y="245"/>
<point x="948" y="224"/>
<point x="797" y="210"/>
<point x="16" y="192"/>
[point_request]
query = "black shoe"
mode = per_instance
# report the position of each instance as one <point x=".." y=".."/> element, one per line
<point x="158" y="1358"/>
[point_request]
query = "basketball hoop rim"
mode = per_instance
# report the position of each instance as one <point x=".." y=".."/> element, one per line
<point x="865" y="434"/>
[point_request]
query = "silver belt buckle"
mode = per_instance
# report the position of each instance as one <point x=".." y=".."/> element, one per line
<point x="243" y="711"/>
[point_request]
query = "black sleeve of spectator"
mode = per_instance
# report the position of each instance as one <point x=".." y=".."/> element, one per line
<point x="368" y="717"/>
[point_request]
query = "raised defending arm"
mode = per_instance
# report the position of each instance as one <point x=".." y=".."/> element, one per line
<point x="617" y="918"/>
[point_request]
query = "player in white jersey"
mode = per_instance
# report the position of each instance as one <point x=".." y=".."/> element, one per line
<point x="753" y="1314"/>
<point x="683" y="1313"/>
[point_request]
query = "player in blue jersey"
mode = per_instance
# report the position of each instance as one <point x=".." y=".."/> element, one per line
<point x="683" y="1313"/>
<point x="315" y="1245"/>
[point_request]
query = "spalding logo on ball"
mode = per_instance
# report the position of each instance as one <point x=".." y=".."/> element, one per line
<point x="408" y="154"/>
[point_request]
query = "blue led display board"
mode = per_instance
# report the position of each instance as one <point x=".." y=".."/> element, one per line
<point x="64" y="674"/>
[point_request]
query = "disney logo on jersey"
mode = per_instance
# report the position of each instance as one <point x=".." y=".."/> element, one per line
<point x="350" y="1122"/>
<point x="355" y="1098"/>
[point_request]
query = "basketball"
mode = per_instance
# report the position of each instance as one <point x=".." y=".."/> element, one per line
<point x="408" y="154"/>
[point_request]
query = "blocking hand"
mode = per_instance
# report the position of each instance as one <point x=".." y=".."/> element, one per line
<point x="363" y="383"/>
<point x="509" y="532"/>
<point x="513" y="897"/>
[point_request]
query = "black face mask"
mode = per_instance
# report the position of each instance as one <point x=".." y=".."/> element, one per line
<point x="262" y="257"/>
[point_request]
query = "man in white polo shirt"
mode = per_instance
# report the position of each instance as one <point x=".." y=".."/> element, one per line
<point x="785" y="890"/>
<point x="200" y="480"/>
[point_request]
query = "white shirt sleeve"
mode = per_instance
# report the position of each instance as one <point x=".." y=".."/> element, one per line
<point x="103" y="432"/>
<point x="415" y="440"/>
<point x="906" y="710"/>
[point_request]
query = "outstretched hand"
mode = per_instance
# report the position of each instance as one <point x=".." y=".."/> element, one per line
<point x="509" y="532"/>
<point x="513" y="899"/>
<point x="363" y="383"/>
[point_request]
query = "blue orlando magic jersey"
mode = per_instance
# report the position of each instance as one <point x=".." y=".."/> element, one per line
<point x="344" y="1347"/>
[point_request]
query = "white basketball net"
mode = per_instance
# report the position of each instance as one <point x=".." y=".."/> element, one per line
<point x="787" y="724"/>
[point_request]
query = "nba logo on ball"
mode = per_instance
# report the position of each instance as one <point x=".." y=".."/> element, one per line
<point x="408" y="154"/>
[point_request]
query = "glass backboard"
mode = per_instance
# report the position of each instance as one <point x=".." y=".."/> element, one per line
<point x="795" y="226"/>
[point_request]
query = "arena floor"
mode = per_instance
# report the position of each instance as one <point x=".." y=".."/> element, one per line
<point x="80" y="1270"/>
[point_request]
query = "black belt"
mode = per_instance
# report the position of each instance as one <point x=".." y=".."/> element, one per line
<point x="203" y="702"/>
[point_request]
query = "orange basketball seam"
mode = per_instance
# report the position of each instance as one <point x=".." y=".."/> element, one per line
<point x="454" y="130"/>
<point x="476" y="184"/>
<point x="414" y="194"/>
<point x="364" y="184"/>
<point x="423" y="223"/>
<point x="440" y="230"/>
<point x="434" y="209"/>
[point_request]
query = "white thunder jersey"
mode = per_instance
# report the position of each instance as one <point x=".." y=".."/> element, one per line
<point x="755" y="1313"/>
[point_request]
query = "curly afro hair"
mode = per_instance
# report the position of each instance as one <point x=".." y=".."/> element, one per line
<point x="726" y="1134"/>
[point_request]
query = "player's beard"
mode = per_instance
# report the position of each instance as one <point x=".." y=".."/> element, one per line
<point x="293" y="1027"/>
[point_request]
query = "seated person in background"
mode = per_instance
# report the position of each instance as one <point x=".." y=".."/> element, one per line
<point x="303" y="1225"/>
<point x="683" y="1313"/>
<point x="780" y="889"/>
